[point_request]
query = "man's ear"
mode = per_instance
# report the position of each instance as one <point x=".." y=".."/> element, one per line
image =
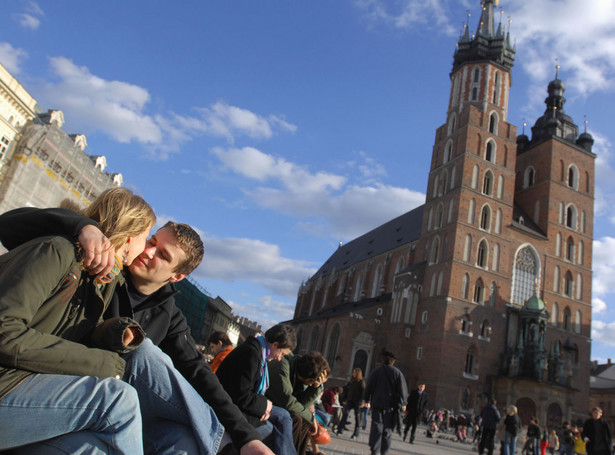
<point x="177" y="277"/>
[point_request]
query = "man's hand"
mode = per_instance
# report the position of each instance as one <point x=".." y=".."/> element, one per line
<point x="267" y="413"/>
<point x="255" y="447"/>
<point x="99" y="253"/>
<point x="314" y="428"/>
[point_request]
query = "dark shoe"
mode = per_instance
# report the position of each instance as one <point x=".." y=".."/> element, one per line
<point x="353" y="437"/>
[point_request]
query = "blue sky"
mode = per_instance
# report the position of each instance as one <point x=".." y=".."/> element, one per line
<point x="278" y="129"/>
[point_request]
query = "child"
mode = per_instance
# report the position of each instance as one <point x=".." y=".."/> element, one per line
<point x="579" y="443"/>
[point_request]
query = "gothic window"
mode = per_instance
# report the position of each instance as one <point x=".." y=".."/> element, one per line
<point x="331" y="351"/>
<point x="401" y="264"/>
<point x="571" y="216"/>
<point x="485" y="329"/>
<point x="443" y="182"/>
<point x="314" y="338"/>
<point x="377" y="281"/>
<point x="496" y="88"/>
<point x="555" y="314"/>
<point x="435" y="250"/>
<point x="476" y="75"/>
<point x="470" y="361"/>
<point x="466" y="324"/>
<point x="488" y="183"/>
<point x="570" y="249"/>
<point x="482" y="254"/>
<point x="485" y="218"/>
<point x="490" y="151"/>
<point x="573" y="177"/>
<point x="342" y="285"/>
<point x="430" y="218"/>
<point x="567" y="319"/>
<point x="439" y="215"/>
<point x="465" y="286"/>
<point x="452" y="184"/>
<point x="435" y="186"/>
<point x="587" y="186"/>
<point x="525" y="274"/>
<point x="493" y="123"/>
<point x="448" y="152"/>
<point x="479" y="291"/>
<point x="556" y="278"/>
<point x="474" y="93"/>
<point x="568" y="284"/>
<point x="358" y="288"/>
<point x="529" y="177"/>
<point x="451" y="124"/>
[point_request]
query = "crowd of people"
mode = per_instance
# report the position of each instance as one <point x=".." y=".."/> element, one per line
<point x="95" y="357"/>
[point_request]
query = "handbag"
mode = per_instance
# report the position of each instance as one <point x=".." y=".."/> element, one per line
<point x="322" y="435"/>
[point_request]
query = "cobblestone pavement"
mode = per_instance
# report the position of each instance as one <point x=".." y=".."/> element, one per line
<point x="443" y="445"/>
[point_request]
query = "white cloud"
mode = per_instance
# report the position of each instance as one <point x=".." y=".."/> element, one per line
<point x="322" y="201"/>
<point x="254" y="261"/>
<point x="267" y="311"/>
<point x="598" y="305"/>
<point x="603" y="332"/>
<point x="31" y="17"/>
<point x="603" y="266"/>
<point x="11" y="58"/>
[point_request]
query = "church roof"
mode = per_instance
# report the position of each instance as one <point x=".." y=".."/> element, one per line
<point x="395" y="233"/>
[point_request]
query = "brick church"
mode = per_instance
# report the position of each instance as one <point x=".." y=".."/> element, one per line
<point x="485" y="290"/>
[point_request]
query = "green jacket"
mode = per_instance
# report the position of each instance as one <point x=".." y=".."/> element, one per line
<point x="287" y="391"/>
<point x="48" y="308"/>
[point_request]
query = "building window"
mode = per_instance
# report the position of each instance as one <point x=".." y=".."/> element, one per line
<point x="525" y="274"/>
<point x="568" y="284"/>
<point x="470" y="362"/>
<point x="475" y="176"/>
<point x="556" y="278"/>
<point x="482" y="254"/>
<point x="358" y="286"/>
<point x="439" y="215"/>
<point x="466" y="325"/>
<point x="496" y="258"/>
<point x="4" y="146"/>
<point x="377" y="281"/>
<point x="419" y="353"/>
<point x="571" y="217"/>
<point x="493" y="123"/>
<point x="334" y="339"/>
<point x="476" y="75"/>
<point x="573" y="177"/>
<point x="485" y="330"/>
<point x="465" y="286"/>
<point x="448" y="152"/>
<point x="570" y="249"/>
<point x="479" y="291"/>
<point x="567" y="319"/>
<point x="488" y="183"/>
<point x="435" y="250"/>
<point x="490" y="151"/>
<point x="485" y="218"/>
<point x="424" y="317"/>
<point x="474" y="93"/>
<point x="529" y="177"/>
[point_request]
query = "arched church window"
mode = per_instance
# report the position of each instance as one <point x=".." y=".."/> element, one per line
<point x="529" y="177"/>
<point x="479" y="292"/>
<point x="465" y="285"/>
<point x="567" y="319"/>
<point x="332" y="343"/>
<point x="485" y="218"/>
<point x="490" y="151"/>
<point x="493" y="123"/>
<point x="570" y="249"/>
<point x="525" y="274"/>
<point x="476" y="75"/>
<point x="377" y="281"/>
<point x="470" y="361"/>
<point x="474" y="93"/>
<point x="573" y="177"/>
<point x="568" y="284"/>
<point x="571" y="216"/>
<point x="448" y="152"/>
<point x="482" y="254"/>
<point x="488" y="183"/>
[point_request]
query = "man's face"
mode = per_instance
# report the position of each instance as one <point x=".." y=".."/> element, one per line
<point x="421" y="387"/>
<point x="596" y="414"/>
<point x="161" y="256"/>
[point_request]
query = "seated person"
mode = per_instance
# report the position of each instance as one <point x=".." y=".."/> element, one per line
<point x="146" y="293"/>
<point x="294" y="384"/>
<point x="51" y="313"/>
<point x="244" y="375"/>
<point x="219" y="345"/>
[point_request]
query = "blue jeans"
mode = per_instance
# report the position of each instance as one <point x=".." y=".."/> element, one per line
<point x="72" y="415"/>
<point x="510" y="444"/>
<point x="277" y="432"/>
<point x="176" y="420"/>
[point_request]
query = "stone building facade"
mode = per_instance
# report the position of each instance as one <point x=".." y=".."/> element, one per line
<point x="485" y="290"/>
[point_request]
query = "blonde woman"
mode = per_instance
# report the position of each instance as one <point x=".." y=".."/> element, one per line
<point x="53" y="385"/>
<point x="512" y="423"/>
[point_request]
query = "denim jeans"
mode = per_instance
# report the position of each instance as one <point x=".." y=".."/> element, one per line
<point x="73" y="415"/>
<point x="510" y="444"/>
<point x="277" y="432"/>
<point x="176" y="420"/>
<point x="381" y="431"/>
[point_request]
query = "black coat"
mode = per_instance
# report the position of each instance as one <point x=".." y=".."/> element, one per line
<point x="592" y="429"/>
<point x="416" y="403"/>
<point x="158" y="315"/>
<point x="239" y="374"/>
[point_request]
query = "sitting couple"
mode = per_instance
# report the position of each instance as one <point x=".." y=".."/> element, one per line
<point x="77" y="374"/>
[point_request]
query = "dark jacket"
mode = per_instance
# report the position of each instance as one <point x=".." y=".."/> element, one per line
<point x="417" y="402"/>
<point x="512" y="424"/>
<point x="48" y="310"/>
<point x="239" y="374"/>
<point x="599" y="436"/>
<point x="162" y="321"/>
<point x="386" y="388"/>
<point x="354" y="395"/>
<point x="489" y="416"/>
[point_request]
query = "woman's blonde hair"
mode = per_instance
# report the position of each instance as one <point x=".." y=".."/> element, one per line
<point x="511" y="410"/>
<point x="121" y="214"/>
<point x="359" y="376"/>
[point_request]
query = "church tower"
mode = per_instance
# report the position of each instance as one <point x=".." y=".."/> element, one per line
<point x="470" y="198"/>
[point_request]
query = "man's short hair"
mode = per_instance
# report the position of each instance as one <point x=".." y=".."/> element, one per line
<point x="312" y="365"/>
<point x="216" y="337"/>
<point x="191" y="244"/>
<point x="283" y="334"/>
<point x="388" y="358"/>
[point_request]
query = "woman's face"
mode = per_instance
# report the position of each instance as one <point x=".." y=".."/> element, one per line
<point x="133" y="248"/>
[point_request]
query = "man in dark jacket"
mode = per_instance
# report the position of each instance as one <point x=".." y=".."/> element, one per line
<point x="147" y="296"/>
<point x="489" y="418"/>
<point x="386" y="391"/>
<point x="417" y="402"/>
<point x="597" y="434"/>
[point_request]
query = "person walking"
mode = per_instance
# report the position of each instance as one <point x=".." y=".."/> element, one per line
<point x="354" y="402"/>
<point x="385" y="393"/>
<point x="596" y="434"/>
<point x="512" y="422"/>
<point x="489" y="417"/>
<point x="417" y="402"/>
